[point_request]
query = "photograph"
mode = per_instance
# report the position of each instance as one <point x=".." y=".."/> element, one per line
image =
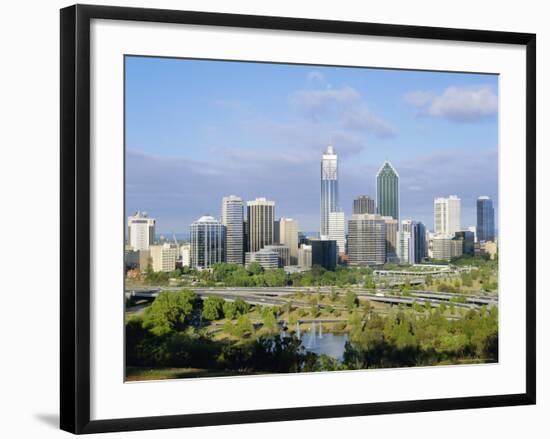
<point x="297" y="218"/>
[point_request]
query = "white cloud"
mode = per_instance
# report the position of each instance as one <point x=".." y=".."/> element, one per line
<point x="458" y="104"/>
<point x="361" y="118"/>
<point x="345" y="106"/>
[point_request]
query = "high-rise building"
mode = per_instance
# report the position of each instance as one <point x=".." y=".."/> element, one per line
<point x="337" y="230"/>
<point x="467" y="238"/>
<point x="418" y="235"/>
<point x="163" y="257"/>
<point x="207" y="242"/>
<point x="366" y="240"/>
<point x="363" y="204"/>
<point x="392" y="227"/>
<point x="447" y="215"/>
<point x="329" y="188"/>
<point x="324" y="253"/>
<point x="441" y="247"/>
<point x="405" y="243"/>
<point x="232" y="219"/>
<point x="288" y="235"/>
<point x="485" y="219"/>
<point x="277" y="231"/>
<point x="260" y="219"/>
<point x="141" y="231"/>
<point x="387" y="191"/>
<point x="304" y="256"/>
<point x="283" y="251"/>
<point x="268" y="259"/>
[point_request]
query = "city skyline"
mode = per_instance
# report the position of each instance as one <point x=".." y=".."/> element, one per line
<point x="179" y="176"/>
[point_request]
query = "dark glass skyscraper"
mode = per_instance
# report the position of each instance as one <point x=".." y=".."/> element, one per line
<point x="418" y="234"/>
<point x="387" y="191"/>
<point x="485" y="219"/>
<point x="329" y="188"/>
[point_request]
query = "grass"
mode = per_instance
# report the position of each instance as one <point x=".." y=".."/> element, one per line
<point x="146" y="374"/>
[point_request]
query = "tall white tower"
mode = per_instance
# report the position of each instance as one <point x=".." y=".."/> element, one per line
<point x="329" y="188"/>
<point x="141" y="231"/>
<point x="447" y="212"/>
<point x="232" y="219"/>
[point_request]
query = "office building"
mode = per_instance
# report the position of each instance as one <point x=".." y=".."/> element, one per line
<point x="445" y="248"/>
<point x="288" y="235"/>
<point x="467" y="238"/>
<point x="387" y="191"/>
<point x="141" y="231"/>
<point x="163" y="257"/>
<point x="137" y="259"/>
<point x="304" y="256"/>
<point x="185" y="254"/>
<point x="207" y="242"/>
<point x="418" y="236"/>
<point x="490" y="248"/>
<point x="447" y="212"/>
<point x="277" y="231"/>
<point x="232" y="219"/>
<point x="260" y="219"/>
<point x="485" y="219"/>
<point x="324" y="253"/>
<point x="284" y="253"/>
<point x="405" y="243"/>
<point x="392" y="227"/>
<point x="337" y="230"/>
<point x="366" y="240"/>
<point x="364" y="204"/>
<point x="268" y="259"/>
<point x="329" y="188"/>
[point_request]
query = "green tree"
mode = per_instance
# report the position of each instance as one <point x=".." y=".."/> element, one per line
<point x="212" y="308"/>
<point x="255" y="268"/>
<point x="170" y="312"/>
<point x="351" y="301"/>
<point x="369" y="283"/>
<point x="229" y="310"/>
<point x="243" y="327"/>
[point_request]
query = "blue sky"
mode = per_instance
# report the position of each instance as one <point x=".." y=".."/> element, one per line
<point x="197" y="130"/>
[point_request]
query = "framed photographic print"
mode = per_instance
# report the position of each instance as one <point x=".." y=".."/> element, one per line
<point x="273" y="218"/>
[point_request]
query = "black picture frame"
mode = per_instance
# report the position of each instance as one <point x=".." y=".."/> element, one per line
<point x="75" y="217"/>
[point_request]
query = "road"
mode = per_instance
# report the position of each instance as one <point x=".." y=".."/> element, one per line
<point x="276" y="296"/>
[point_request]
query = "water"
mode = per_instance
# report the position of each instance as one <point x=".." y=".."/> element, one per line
<point x="319" y="342"/>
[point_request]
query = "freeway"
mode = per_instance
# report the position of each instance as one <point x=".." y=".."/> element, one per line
<point x="274" y="296"/>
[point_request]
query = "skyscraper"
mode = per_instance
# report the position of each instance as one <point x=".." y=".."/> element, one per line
<point x="141" y="231"/>
<point x="485" y="219"/>
<point x="447" y="215"/>
<point x="337" y="230"/>
<point x="288" y="235"/>
<point x="366" y="240"/>
<point x="232" y="219"/>
<point x="405" y="243"/>
<point x="387" y="191"/>
<point x="260" y="218"/>
<point x="418" y="234"/>
<point x="329" y="188"/>
<point x="392" y="227"/>
<point x="363" y="204"/>
<point x="207" y="242"/>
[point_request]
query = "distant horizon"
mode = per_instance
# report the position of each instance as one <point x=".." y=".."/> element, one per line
<point x="200" y="130"/>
